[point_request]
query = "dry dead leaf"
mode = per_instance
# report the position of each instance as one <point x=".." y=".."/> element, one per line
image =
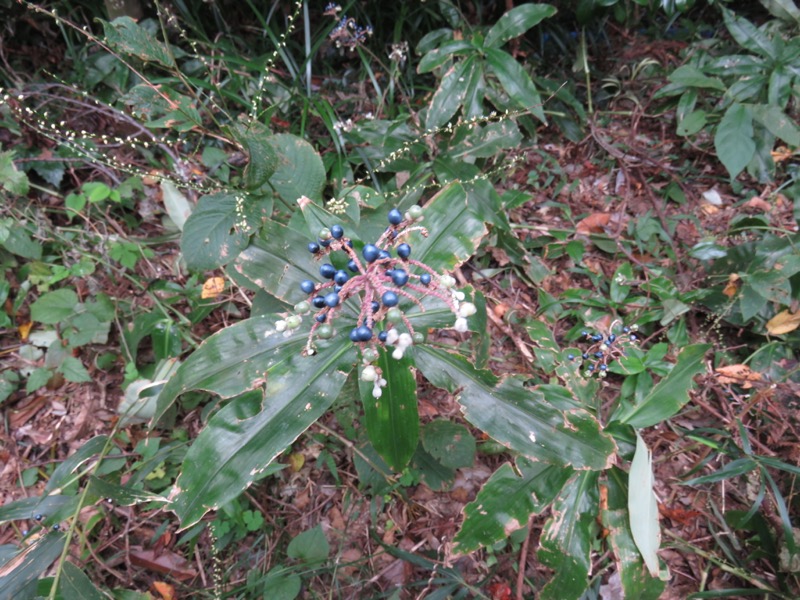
<point x="164" y="589"/>
<point x="732" y="286"/>
<point x="213" y="287"/>
<point x="781" y="153"/>
<point x="594" y="223"/>
<point x="783" y="322"/>
<point x="24" y="330"/>
<point x="737" y="374"/>
<point x="757" y="204"/>
<point x="166" y="561"/>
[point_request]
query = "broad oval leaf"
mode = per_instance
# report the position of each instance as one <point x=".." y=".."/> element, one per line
<point x="299" y="171"/>
<point x="671" y="393"/>
<point x="392" y="421"/>
<point x="506" y="502"/>
<point x="517" y="21"/>
<point x="263" y="159"/>
<point x="734" y="139"/>
<point x="451" y="93"/>
<point x="211" y="237"/>
<point x="240" y="440"/>
<point x="518" y="417"/>
<point x="129" y="38"/>
<point x="642" y="506"/>
<point x="516" y="82"/>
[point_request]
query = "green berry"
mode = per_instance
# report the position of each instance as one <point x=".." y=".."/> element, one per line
<point x="302" y="307"/>
<point x="325" y="332"/>
<point x="415" y="212"/>
<point x="418" y="337"/>
<point x="325" y="234"/>
<point x="394" y="315"/>
<point x="293" y="322"/>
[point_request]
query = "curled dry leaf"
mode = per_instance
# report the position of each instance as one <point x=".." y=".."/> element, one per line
<point x="594" y="223"/>
<point x="732" y="286"/>
<point x="783" y="322"/>
<point x="737" y="374"/>
<point x="757" y="204"/>
<point x="213" y="287"/>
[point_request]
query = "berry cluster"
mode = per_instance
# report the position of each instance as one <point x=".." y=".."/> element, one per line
<point x="380" y="277"/>
<point x="347" y="33"/>
<point x="604" y="349"/>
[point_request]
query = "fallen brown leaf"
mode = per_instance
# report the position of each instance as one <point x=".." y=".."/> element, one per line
<point x="732" y="286"/>
<point x="165" y="562"/>
<point x="783" y="322"/>
<point x="737" y="374"/>
<point x="594" y="223"/>
<point x="213" y="287"/>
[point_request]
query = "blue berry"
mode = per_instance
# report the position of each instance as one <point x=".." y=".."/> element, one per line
<point x="324" y="243"/>
<point x="404" y="251"/>
<point x="570" y="357"/>
<point x="633" y="337"/>
<point x="376" y="306"/>
<point x="56" y="527"/>
<point x="331" y="299"/>
<point x="38" y="517"/>
<point x="425" y="279"/>
<point x="626" y="329"/>
<point x="395" y="217"/>
<point x="585" y="356"/>
<point x="370" y="253"/>
<point x="364" y="333"/>
<point x="313" y="247"/>
<point x="327" y="271"/>
<point x="590" y="368"/>
<point x="384" y="254"/>
<point x="597" y="337"/>
<point x="337" y="232"/>
<point x="351" y="264"/>
<point x="399" y="277"/>
<point x="341" y="277"/>
<point x="320" y="318"/>
<point x="390" y="299"/>
<point x="584" y="333"/>
<point x="353" y="334"/>
<point x="611" y="338"/>
<point x="307" y="286"/>
<point x="598" y="355"/>
<point x="337" y="288"/>
<point x="603" y="367"/>
<point x="318" y="301"/>
<point x="383" y="335"/>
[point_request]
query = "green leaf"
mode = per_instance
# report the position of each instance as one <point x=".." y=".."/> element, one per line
<point x="30" y="563"/>
<point x="671" y="393"/>
<point x="440" y="55"/>
<point x="642" y="506"/>
<point x="282" y="584"/>
<point x="12" y="179"/>
<point x="250" y="431"/>
<point x="73" y="370"/>
<point x="567" y="538"/>
<point x="749" y="36"/>
<point x="516" y="22"/>
<point x="451" y="93"/>
<point x="520" y="418"/>
<point x="505" y="503"/>
<point x="129" y="38"/>
<point x="54" y="307"/>
<point x="309" y="547"/>
<point x="692" y="123"/>
<point x="487" y="141"/>
<point x="449" y="443"/>
<point x="299" y="172"/>
<point x="620" y="284"/>
<point x="734" y="139"/>
<point x="690" y="76"/>
<point x="263" y="158"/>
<point x="75" y="585"/>
<point x="392" y="421"/>
<point x="516" y="82"/>
<point x="777" y="123"/>
<point x="175" y="203"/>
<point x="211" y="235"/>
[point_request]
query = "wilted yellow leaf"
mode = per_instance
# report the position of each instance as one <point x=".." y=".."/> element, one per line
<point x="25" y="330"/>
<point x="296" y="461"/>
<point x="783" y="322"/>
<point x="733" y="285"/>
<point x="213" y="287"/>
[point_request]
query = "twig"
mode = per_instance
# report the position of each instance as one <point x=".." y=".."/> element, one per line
<point x="523" y="560"/>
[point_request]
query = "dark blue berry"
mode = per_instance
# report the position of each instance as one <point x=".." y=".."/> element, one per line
<point x="313" y="247"/>
<point x="337" y="288"/>
<point x="324" y="243"/>
<point x="598" y="355"/>
<point x="341" y="277"/>
<point x="585" y="356"/>
<point x="364" y="333"/>
<point x="307" y="286"/>
<point x="425" y="279"/>
<point x="570" y="357"/>
<point x="390" y="299"/>
<point x="597" y="337"/>
<point x="611" y="338"/>
<point x="327" y="271"/>
<point x="337" y="232"/>
<point x="383" y="335"/>
<point x="349" y="243"/>
<point x="318" y="301"/>
<point x="351" y="264"/>
<point x="395" y="217"/>
<point x="354" y="334"/>
<point x="38" y="517"/>
<point x="331" y="299"/>
<point x="399" y="277"/>
<point x="633" y="337"/>
<point x="370" y="252"/>
<point x="56" y="527"/>
<point x="584" y="333"/>
<point x="376" y="306"/>
<point x="320" y="318"/>
<point x="403" y="251"/>
<point x="590" y="368"/>
<point x="384" y="254"/>
<point x="603" y="367"/>
<point x="626" y="329"/>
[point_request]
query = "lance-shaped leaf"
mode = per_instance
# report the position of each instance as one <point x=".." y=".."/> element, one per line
<point x="392" y="421"/>
<point x="242" y="438"/>
<point x="567" y="538"/>
<point x="516" y="82"/>
<point x="642" y="506"/>
<point x="517" y="21"/>
<point x="518" y="417"/>
<point x="17" y="573"/>
<point x="671" y="393"/>
<point x="450" y="95"/>
<point x="636" y="581"/>
<point x="506" y="502"/>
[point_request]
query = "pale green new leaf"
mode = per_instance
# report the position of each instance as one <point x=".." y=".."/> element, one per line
<point x="642" y="506"/>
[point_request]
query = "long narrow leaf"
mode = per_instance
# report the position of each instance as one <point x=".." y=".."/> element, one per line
<point x="642" y="506"/>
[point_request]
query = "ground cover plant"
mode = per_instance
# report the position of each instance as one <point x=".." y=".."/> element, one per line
<point x="442" y="302"/>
